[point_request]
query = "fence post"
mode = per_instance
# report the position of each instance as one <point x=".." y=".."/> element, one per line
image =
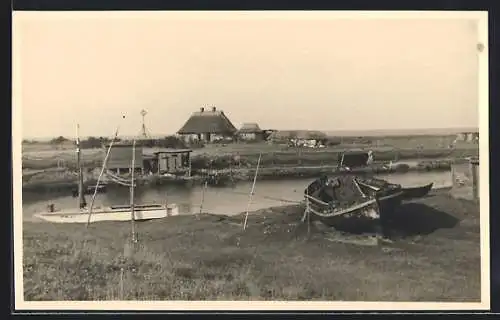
<point x="474" y="166"/>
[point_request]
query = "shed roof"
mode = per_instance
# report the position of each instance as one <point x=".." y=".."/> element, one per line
<point x="122" y="144"/>
<point x="211" y="121"/>
<point x="155" y="151"/>
<point x="171" y="150"/>
<point x="250" y="127"/>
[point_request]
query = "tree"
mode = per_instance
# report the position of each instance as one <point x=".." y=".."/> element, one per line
<point x="171" y="142"/>
<point x="58" y="140"/>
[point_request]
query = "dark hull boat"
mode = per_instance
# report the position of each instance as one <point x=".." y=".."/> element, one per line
<point x="417" y="192"/>
<point x="352" y="202"/>
<point x="89" y="190"/>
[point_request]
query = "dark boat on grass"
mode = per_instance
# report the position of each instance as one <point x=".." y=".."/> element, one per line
<point x="417" y="192"/>
<point x="351" y="201"/>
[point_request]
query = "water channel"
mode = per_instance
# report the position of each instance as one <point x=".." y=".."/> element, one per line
<point x="219" y="200"/>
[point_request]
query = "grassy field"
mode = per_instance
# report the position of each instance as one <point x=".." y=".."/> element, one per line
<point x="435" y="257"/>
<point x="272" y="155"/>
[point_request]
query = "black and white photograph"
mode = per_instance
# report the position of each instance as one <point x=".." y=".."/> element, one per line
<point x="250" y="160"/>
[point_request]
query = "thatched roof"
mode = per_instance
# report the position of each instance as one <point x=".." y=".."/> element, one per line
<point x="297" y="134"/>
<point x="250" y="128"/>
<point x="208" y="121"/>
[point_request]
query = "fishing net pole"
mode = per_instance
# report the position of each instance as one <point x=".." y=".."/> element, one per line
<point x="102" y="172"/>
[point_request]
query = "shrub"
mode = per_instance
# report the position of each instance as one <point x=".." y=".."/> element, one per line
<point x="58" y="140"/>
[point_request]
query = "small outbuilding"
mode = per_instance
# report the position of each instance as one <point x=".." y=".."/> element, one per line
<point x="250" y="132"/>
<point x="120" y="158"/>
<point x="171" y="161"/>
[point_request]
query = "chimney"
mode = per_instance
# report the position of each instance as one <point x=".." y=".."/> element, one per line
<point x="213" y="108"/>
<point x="202" y="109"/>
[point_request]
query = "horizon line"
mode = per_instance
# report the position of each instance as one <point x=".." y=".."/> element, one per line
<point x="359" y="132"/>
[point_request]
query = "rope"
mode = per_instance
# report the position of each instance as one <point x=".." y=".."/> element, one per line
<point x="110" y="174"/>
<point x="264" y="197"/>
<point x="120" y="182"/>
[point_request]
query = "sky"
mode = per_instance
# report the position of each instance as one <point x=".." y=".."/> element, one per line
<point x="283" y="72"/>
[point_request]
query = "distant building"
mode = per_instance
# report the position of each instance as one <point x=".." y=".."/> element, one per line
<point x="467" y="137"/>
<point x="120" y="158"/>
<point x="306" y="138"/>
<point x="251" y="132"/>
<point x="207" y="126"/>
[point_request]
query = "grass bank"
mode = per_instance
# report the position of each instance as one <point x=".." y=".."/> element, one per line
<point x="289" y="172"/>
<point x="222" y="156"/>
<point x="59" y="180"/>
<point x="435" y="257"/>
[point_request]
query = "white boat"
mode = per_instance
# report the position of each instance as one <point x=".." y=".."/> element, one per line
<point x="112" y="213"/>
<point x="129" y="212"/>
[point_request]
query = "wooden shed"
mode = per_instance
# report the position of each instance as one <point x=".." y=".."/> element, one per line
<point x="173" y="161"/>
<point x="120" y="158"/>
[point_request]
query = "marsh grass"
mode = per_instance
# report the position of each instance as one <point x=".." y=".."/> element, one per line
<point x="211" y="258"/>
<point x="272" y="154"/>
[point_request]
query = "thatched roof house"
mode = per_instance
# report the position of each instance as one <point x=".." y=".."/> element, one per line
<point x="208" y="122"/>
<point x="250" y="127"/>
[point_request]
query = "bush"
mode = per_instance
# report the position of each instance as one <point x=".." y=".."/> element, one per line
<point x="94" y="143"/>
<point x="58" y="140"/>
<point x="171" y="142"/>
<point x="402" y="167"/>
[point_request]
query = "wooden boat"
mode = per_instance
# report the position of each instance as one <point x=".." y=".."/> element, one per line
<point x="417" y="192"/>
<point x="101" y="188"/>
<point x="351" y="201"/>
<point x="355" y="159"/>
<point x="112" y="213"/>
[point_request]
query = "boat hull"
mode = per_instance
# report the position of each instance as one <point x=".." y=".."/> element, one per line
<point x="90" y="190"/>
<point x="417" y="192"/>
<point x="362" y="216"/>
<point x="109" y="214"/>
<point x="388" y="195"/>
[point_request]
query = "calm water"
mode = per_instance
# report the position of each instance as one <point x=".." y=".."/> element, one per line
<point x="226" y="200"/>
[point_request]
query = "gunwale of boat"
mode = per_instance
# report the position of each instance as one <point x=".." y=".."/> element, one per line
<point x="108" y="210"/>
<point x="343" y="211"/>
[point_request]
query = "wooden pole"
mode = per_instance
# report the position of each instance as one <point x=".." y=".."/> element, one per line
<point x="81" y="198"/>
<point x="474" y="167"/>
<point x="121" y="283"/>
<point x="132" y="187"/>
<point x="205" y="185"/>
<point x="307" y="214"/>
<point x="252" y="192"/>
<point x="100" y="175"/>
<point x="166" y="204"/>
<point x="308" y="219"/>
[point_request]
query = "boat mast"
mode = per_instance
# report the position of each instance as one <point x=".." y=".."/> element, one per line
<point x="101" y="173"/>
<point x="252" y="192"/>
<point x="132" y="186"/>
<point x="81" y="198"/>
